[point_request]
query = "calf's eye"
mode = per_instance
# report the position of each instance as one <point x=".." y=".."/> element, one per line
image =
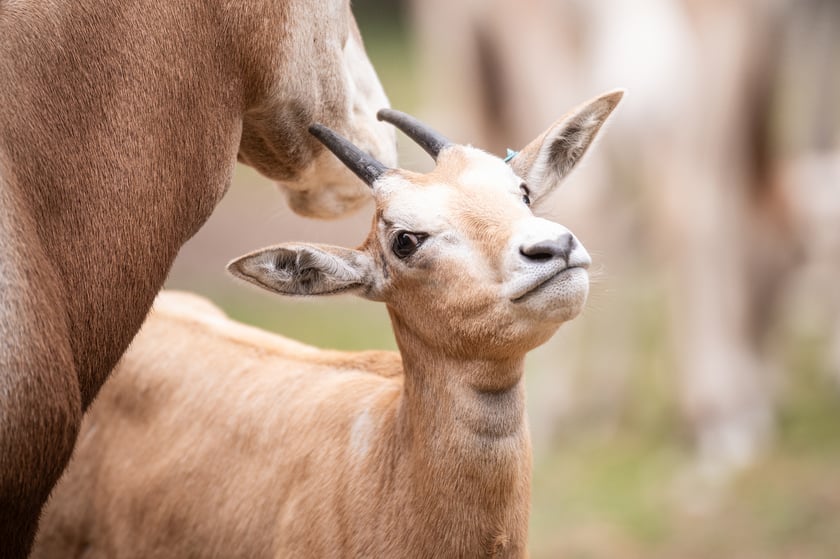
<point x="405" y="243"/>
<point x="526" y="194"/>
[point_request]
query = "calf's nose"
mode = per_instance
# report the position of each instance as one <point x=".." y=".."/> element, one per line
<point x="549" y="249"/>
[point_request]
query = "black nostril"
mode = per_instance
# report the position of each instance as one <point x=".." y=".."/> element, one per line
<point x="539" y="252"/>
<point x="549" y="249"/>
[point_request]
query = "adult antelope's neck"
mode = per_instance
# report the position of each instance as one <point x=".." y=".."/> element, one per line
<point x="122" y="127"/>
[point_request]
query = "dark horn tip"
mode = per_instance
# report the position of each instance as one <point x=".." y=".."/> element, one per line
<point x="362" y="164"/>
<point x="427" y="138"/>
<point x="385" y="114"/>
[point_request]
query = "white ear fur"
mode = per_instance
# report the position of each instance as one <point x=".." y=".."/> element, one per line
<point x="545" y="161"/>
<point x="300" y="269"/>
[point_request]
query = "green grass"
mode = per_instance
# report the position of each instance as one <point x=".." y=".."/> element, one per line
<point x="630" y="494"/>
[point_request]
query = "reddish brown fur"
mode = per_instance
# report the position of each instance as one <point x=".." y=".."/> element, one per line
<point x="119" y="127"/>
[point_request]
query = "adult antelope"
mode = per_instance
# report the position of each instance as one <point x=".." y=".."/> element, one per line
<point x="120" y="123"/>
<point x="214" y="439"/>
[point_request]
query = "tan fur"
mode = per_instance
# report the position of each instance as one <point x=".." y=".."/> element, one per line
<point x="254" y="402"/>
<point x="119" y="127"/>
<point x="215" y="439"/>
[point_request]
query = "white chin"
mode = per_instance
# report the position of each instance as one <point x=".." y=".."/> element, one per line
<point x="560" y="299"/>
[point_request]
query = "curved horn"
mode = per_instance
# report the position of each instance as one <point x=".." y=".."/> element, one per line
<point x="427" y="138"/>
<point x="365" y="166"/>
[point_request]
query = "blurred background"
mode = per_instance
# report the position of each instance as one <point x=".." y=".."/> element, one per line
<point x="693" y="410"/>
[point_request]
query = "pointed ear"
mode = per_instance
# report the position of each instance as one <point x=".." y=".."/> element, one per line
<point x="544" y="162"/>
<point x="299" y="269"/>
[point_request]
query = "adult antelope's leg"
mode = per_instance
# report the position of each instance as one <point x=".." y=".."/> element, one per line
<point x="40" y="405"/>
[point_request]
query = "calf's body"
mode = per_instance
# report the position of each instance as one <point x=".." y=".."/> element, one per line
<point x="262" y="447"/>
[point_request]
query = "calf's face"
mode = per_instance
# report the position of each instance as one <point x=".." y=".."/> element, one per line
<point x="460" y="258"/>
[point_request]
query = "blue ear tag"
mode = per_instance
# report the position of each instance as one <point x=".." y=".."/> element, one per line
<point x="510" y="155"/>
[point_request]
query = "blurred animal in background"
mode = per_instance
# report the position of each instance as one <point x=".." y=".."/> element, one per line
<point x="219" y="440"/>
<point x="120" y="124"/>
<point x="719" y="175"/>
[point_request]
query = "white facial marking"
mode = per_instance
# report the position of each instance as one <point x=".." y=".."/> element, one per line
<point x="552" y="289"/>
<point x="415" y="209"/>
<point x="526" y="274"/>
<point x="490" y="176"/>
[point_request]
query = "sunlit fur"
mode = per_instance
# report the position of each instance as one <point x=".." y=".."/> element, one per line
<point x="120" y="123"/>
<point x="214" y="439"/>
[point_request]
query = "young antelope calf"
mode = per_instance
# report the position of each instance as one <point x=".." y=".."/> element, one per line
<point x="214" y="439"/>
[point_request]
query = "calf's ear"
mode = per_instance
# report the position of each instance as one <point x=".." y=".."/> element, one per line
<point x="308" y="269"/>
<point x="546" y="160"/>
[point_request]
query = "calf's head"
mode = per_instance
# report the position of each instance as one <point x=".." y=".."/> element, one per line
<point x="457" y="254"/>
